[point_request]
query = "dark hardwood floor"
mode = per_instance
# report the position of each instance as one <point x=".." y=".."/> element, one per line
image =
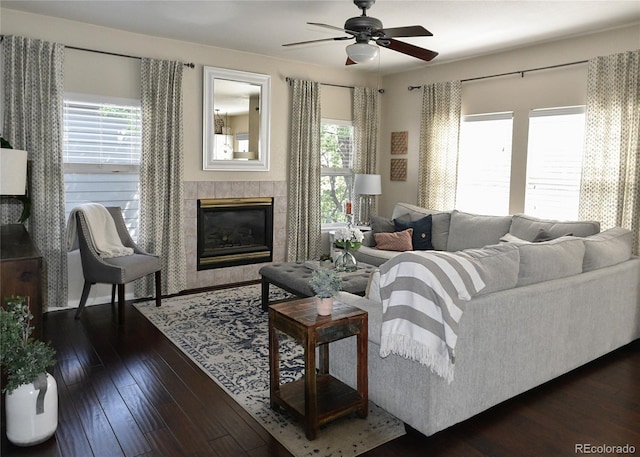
<point x="127" y="391"/>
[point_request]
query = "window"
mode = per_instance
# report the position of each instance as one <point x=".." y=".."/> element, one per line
<point x="484" y="164"/>
<point x="101" y="154"/>
<point x="554" y="162"/>
<point x="243" y="142"/>
<point x="336" y="146"/>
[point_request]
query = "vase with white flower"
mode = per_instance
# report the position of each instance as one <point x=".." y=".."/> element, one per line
<point x="349" y="239"/>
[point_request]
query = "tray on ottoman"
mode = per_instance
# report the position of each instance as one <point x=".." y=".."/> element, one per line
<point x="294" y="278"/>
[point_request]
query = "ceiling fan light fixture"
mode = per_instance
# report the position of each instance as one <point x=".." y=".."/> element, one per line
<point x="362" y="52"/>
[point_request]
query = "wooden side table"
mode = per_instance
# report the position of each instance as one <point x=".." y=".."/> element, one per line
<point x="21" y="270"/>
<point x="318" y="398"/>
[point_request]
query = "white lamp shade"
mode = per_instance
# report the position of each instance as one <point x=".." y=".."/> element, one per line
<point x="13" y="171"/>
<point x="367" y="185"/>
<point x="362" y="52"/>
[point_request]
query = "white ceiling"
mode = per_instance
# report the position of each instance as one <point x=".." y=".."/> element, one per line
<point x="461" y="28"/>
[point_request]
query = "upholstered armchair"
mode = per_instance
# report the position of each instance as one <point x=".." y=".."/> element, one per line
<point x="117" y="270"/>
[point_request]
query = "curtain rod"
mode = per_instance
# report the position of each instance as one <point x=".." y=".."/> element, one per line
<point x="290" y="80"/>
<point x="521" y="72"/>
<point x="190" y="64"/>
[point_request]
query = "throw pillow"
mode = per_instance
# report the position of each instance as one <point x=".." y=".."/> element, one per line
<point x="381" y="224"/>
<point x="421" y="232"/>
<point x="396" y="241"/>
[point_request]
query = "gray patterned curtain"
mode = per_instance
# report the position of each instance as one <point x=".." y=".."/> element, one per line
<point x="365" y="123"/>
<point x="304" y="173"/>
<point x="161" y="164"/>
<point x="439" y="132"/>
<point x="610" y="189"/>
<point x="33" y="98"/>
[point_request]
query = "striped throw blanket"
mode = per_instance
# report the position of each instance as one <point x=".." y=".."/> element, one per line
<point x="423" y="295"/>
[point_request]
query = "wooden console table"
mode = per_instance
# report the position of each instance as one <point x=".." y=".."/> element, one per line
<point x="318" y="398"/>
<point x="21" y="270"/>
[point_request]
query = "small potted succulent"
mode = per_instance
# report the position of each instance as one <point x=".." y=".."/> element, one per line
<point x="325" y="284"/>
<point x="31" y="393"/>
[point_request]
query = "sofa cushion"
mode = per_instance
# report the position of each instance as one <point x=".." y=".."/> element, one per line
<point x="528" y="227"/>
<point x="396" y="241"/>
<point x="553" y="259"/>
<point x="421" y="237"/>
<point x="440" y="221"/>
<point x="608" y="248"/>
<point x="475" y="231"/>
<point x="498" y="266"/>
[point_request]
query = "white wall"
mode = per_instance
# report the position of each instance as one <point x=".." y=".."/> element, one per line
<point x="564" y="86"/>
<point x="93" y="73"/>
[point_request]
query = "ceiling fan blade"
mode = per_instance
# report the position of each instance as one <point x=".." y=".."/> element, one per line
<point x="409" y="49"/>
<point x="327" y="26"/>
<point x="340" y="38"/>
<point x="350" y="62"/>
<point x="412" y="30"/>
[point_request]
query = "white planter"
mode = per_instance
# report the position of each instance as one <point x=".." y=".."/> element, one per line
<point x="25" y="426"/>
<point x="324" y="306"/>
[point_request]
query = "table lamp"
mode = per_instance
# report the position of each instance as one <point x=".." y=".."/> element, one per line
<point x="366" y="187"/>
<point x="13" y="171"/>
<point x="13" y="177"/>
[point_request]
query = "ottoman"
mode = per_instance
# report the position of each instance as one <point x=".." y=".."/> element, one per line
<point x="294" y="278"/>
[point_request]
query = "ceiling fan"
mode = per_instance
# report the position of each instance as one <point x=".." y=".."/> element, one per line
<point x="365" y="29"/>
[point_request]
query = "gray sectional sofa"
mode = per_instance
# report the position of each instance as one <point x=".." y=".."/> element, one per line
<point x="548" y="308"/>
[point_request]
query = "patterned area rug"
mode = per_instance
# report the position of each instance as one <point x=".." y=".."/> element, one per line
<point x="226" y="333"/>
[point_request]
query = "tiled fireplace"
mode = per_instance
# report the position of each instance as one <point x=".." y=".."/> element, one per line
<point x="199" y="276"/>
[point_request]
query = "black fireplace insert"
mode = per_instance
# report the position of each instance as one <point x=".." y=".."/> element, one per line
<point x="234" y="231"/>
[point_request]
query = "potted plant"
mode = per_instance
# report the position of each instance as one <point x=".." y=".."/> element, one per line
<point x="325" y="284"/>
<point x="31" y="400"/>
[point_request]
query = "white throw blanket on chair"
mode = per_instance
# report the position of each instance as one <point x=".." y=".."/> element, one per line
<point x="102" y="230"/>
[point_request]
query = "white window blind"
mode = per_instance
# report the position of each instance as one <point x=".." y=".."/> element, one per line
<point x="101" y="153"/>
<point x="336" y="140"/>
<point x="554" y="162"/>
<point x="98" y="133"/>
<point x="484" y="163"/>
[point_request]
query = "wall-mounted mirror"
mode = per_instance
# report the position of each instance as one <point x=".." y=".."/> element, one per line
<point x="235" y="120"/>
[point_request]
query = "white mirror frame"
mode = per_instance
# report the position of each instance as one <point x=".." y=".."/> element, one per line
<point x="264" y="81"/>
